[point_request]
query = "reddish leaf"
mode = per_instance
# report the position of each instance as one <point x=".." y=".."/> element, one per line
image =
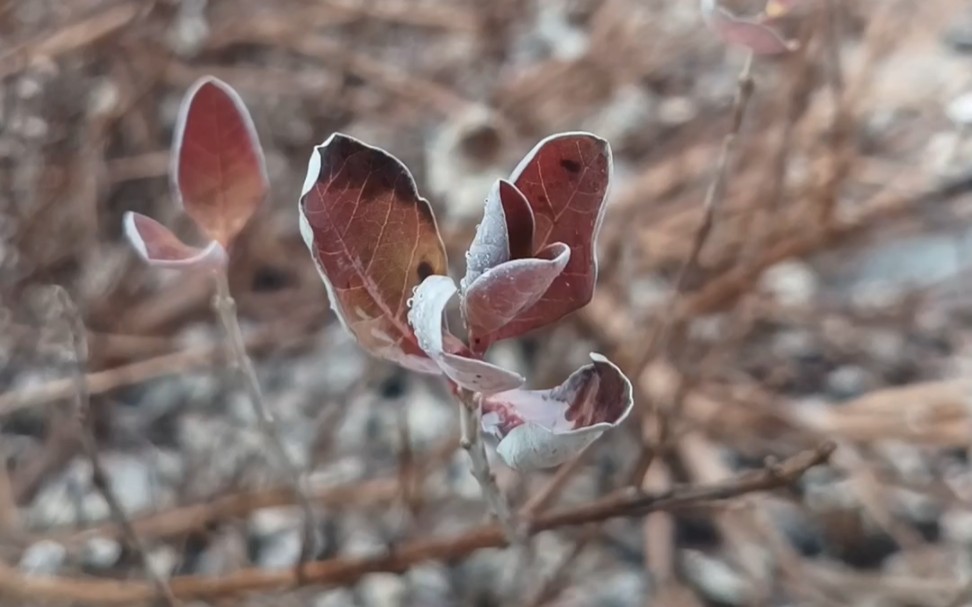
<point x="503" y="276"/>
<point x="502" y="293"/>
<point x="218" y="171"/>
<point x="544" y="428"/>
<point x="750" y="33"/>
<point x="374" y="240"/>
<point x="427" y="319"/>
<point x="160" y="247"/>
<point x="564" y="179"/>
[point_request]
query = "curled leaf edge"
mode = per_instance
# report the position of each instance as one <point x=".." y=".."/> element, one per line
<point x="449" y="362"/>
<point x="213" y="255"/>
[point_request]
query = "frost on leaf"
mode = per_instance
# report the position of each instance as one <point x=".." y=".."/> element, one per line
<point x="544" y="428"/>
<point x="501" y="293"/>
<point x="428" y="320"/>
<point x="504" y="276"/>
<point x="218" y="171"/>
<point x="532" y="261"/>
<point x="373" y="240"/>
<point x="157" y="245"/>
<point x="753" y="34"/>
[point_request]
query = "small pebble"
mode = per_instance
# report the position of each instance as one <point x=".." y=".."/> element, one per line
<point x="43" y="558"/>
<point x="716" y="580"/>
<point x="792" y="283"/>
<point x="101" y="553"/>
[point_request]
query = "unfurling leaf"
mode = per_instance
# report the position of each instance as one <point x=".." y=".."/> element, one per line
<point x="563" y="182"/>
<point x="374" y="240"/>
<point x="218" y="171"/>
<point x="750" y="33"/>
<point x="160" y="247"/>
<point x="428" y="320"/>
<point x="491" y="246"/>
<point x="498" y="296"/>
<point x="544" y="428"/>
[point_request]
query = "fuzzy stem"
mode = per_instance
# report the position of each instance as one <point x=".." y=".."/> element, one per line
<point x="472" y="442"/>
<point x="225" y="307"/>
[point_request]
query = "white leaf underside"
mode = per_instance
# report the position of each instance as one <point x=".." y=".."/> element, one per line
<point x="533" y="425"/>
<point x="426" y="317"/>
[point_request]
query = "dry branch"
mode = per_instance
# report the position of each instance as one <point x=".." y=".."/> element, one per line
<point x="99" y="475"/>
<point x="164" y="365"/>
<point x="182" y="520"/>
<point x="343" y="571"/>
<point x="71" y="38"/>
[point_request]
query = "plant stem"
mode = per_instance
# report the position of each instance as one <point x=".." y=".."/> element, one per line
<point x="348" y="570"/>
<point x="472" y="442"/>
<point x="714" y="195"/>
<point x="717" y="187"/>
<point x="99" y="477"/>
<point x="225" y="307"/>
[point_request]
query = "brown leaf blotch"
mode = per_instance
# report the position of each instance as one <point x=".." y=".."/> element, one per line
<point x="570" y="165"/>
<point x="424" y="270"/>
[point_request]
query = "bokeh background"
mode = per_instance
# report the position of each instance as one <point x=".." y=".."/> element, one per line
<point x="830" y="301"/>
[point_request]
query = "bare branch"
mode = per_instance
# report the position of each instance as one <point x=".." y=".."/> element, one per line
<point x="99" y="476"/>
<point x="343" y="571"/>
<point x="710" y="207"/>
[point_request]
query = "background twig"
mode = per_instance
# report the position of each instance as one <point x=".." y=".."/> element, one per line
<point x="348" y="570"/>
<point x="99" y="477"/>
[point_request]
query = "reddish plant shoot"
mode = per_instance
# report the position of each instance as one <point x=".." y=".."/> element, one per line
<point x="376" y="245"/>
<point x="218" y="174"/>
<point x="532" y="261"/>
<point x="756" y="34"/>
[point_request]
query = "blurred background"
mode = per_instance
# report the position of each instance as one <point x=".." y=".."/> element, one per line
<point x="830" y="299"/>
